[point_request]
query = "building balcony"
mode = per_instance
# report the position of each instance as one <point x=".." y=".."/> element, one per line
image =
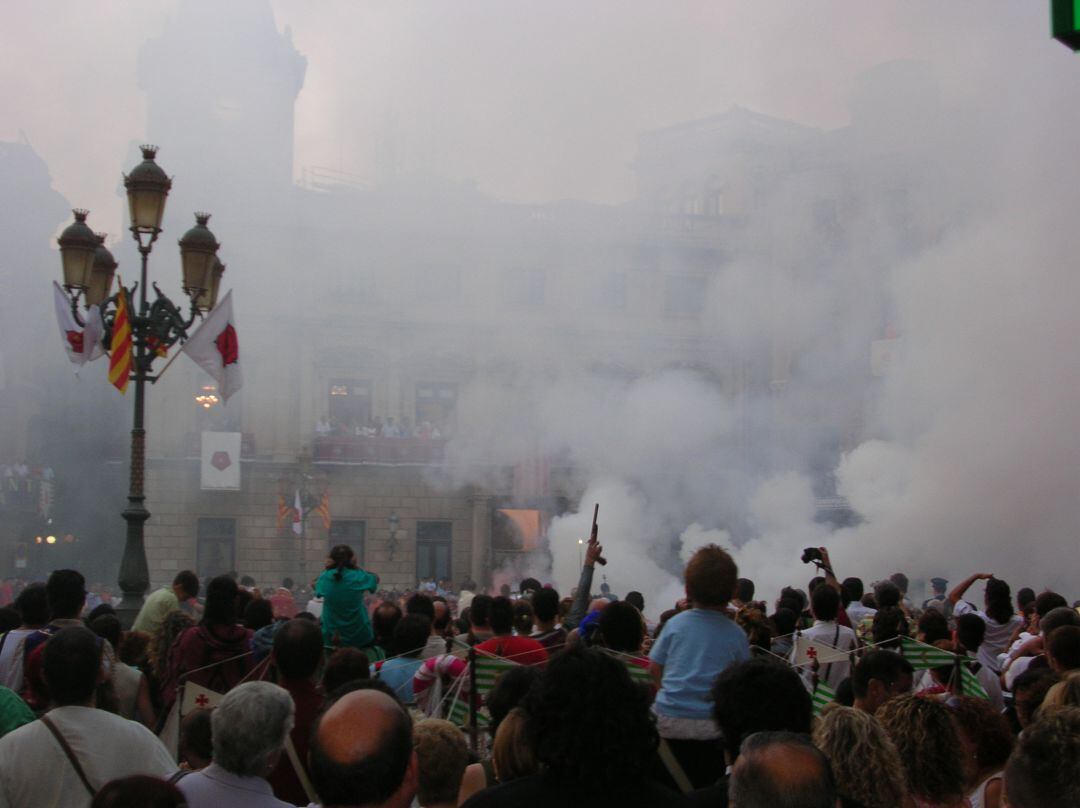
<point x="382" y="451"/>
<point x="26" y="492"/>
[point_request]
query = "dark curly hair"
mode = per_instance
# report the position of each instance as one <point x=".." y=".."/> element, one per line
<point x="987" y="731"/>
<point x="889" y="625"/>
<point x="589" y="722"/>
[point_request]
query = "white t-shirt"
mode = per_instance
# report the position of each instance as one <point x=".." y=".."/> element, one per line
<point x="35" y="771"/>
<point x="997" y="636"/>
<point x="11" y="658"/>
<point x="839" y="637"/>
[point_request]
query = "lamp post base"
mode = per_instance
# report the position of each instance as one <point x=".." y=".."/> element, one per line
<point x="134" y="572"/>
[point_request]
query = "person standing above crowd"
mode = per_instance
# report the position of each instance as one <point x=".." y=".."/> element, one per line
<point x="342" y="587"/>
<point x="695" y="646"/>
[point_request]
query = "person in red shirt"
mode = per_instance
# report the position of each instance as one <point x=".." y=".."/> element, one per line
<point x="505" y="644"/>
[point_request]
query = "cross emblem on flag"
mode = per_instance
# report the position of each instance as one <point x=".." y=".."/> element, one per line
<point x="201" y="700"/>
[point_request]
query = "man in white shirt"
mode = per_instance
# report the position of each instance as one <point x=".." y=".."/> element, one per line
<point x="36" y="770"/>
<point x="825" y="605"/>
<point x="970" y="631"/>
<point x="853" y="591"/>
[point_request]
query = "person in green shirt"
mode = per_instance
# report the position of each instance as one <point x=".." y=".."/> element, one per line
<point x="167" y="599"/>
<point x="14" y="712"/>
<point x="342" y="586"/>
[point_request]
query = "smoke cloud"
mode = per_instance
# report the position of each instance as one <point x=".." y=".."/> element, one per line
<point x="921" y="182"/>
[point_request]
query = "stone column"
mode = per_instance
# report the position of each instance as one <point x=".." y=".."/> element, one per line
<point x="481" y="536"/>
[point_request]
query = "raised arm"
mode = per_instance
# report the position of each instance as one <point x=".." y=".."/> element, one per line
<point x="581" y="600"/>
<point x="963" y="586"/>
<point x="827" y="568"/>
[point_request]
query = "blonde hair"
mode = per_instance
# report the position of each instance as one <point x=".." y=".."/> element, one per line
<point x="1065" y="693"/>
<point x="511" y="753"/>
<point x="864" y="759"/>
<point x="442" y="755"/>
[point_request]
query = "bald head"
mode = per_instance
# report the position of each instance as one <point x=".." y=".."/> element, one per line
<point x="781" y="770"/>
<point x="362" y="753"/>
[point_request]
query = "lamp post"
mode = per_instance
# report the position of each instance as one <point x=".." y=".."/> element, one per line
<point x="155" y="327"/>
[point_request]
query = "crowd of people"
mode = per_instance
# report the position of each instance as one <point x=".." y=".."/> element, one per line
<point x="376" y="427"/>
<point x="353" y="696"/>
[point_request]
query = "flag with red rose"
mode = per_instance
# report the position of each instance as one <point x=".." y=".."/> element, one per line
<point x="82" y="343"/>
<point x="214" y="348"/>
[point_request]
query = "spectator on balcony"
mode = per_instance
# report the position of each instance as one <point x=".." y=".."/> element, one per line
<point x="390" y="429"/>
<point x="323" y="428"/>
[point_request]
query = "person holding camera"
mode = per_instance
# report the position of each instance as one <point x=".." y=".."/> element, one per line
<point x="826" y="630"/>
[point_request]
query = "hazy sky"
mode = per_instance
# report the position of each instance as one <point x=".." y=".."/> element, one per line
<point x="534" y="100"/>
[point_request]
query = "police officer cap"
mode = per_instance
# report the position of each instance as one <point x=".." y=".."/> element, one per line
<point x="939" y="581"/>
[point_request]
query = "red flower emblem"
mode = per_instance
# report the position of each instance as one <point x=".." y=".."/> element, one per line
<point x="227" y="345"/>
<point x="75" y="340"/>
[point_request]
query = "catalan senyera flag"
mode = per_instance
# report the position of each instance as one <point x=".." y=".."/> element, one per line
<point x="283" y="511"/>
<point x="323" y="509"/>
<point x="120" y="347"/>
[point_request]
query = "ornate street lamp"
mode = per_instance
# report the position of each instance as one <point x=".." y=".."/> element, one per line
<point x="155" y="327"/>
<point x="78" y="246"/>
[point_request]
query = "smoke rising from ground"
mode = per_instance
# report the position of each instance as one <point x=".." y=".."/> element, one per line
<point x="958" y="173"/>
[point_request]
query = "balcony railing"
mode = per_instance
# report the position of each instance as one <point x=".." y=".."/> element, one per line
<point x="386" y="451"/>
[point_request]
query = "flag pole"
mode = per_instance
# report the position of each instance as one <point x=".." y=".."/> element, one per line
<point x="162" y="371"/>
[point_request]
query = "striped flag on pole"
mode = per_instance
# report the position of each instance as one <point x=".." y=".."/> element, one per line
<point x="120" y="346"/>
<point x="923" y="656"/>
<point x="488" y="669"/>
<point x="822" y="698"/>
<point x="970" y="684"/>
